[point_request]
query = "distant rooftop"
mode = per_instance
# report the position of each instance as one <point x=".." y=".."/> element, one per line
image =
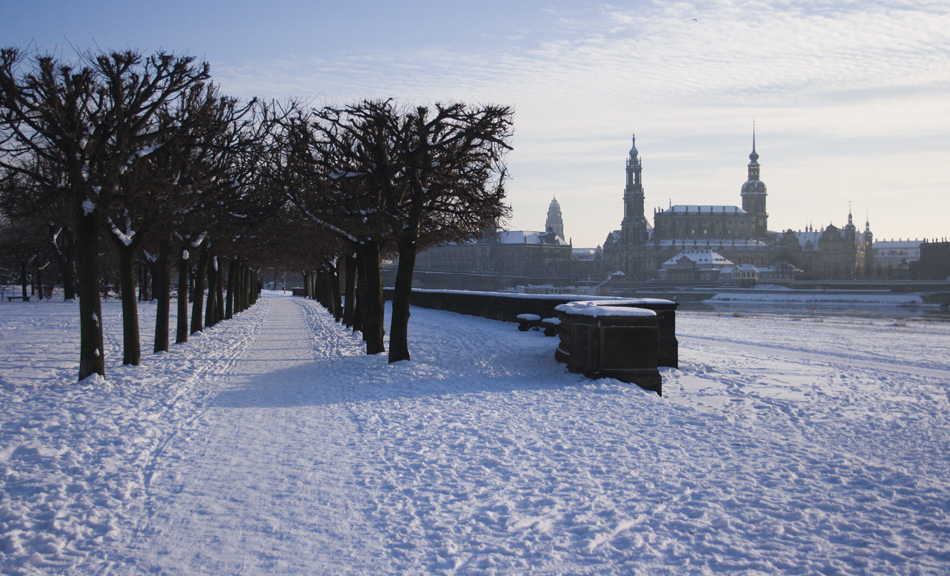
<point x="704" y="209"/>
<point x="528" y="237"/>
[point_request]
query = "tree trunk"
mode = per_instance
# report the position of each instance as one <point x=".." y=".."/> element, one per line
<point x="243" y="275"/>
<point x="184" y="267"/>
<point x="246" y="288"/>
<point x="64" y="258"/>
<point x="238" y="283"/>
<point x="155" y="277"/>
<point x="359" y="313"/>
<point x="145" y="280"/>
<point x="38" y="280"/>
<point x="163" y="288"/>
<point x="91" y="355"/>
<point x="219" y="292"/>
<point x="131" y="344"/>
<point x="24" y="279"/>
<point x="212" y="304"/>
<point x="70" y="280"/>
<point x="349" y="305"/>
<point x="320" y="286"/>
<point x="248" y="283"/>
<point x="399" y="325"/>
<point x="334" y="277"/>
<point x="198" y="300"/>
<point x="373" y="305"/>
<point x="232" y="280"/>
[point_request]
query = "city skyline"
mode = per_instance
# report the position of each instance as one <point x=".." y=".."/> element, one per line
<point x="848" y="99"/>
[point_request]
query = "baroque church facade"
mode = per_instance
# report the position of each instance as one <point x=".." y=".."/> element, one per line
<point x="738" y="234"/>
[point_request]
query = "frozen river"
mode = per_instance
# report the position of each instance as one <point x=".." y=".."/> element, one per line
<point x="764" y="310"/>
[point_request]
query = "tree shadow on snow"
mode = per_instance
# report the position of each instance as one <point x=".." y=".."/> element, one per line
<point x="371" y="379"/>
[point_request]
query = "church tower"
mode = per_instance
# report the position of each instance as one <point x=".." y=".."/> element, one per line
<point x="850" y="230"/>
<point x="554" y="223"/>
<point x="754" y="194"/>
<point x="633" y="229"/>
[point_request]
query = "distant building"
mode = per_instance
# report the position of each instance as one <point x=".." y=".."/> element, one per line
<point x="684" y="243"/>
<point x="496" y="261"/>
<point x="587" y="264"/>
<point x="738" y="234"/>
<point x="783" y="270"/>
<point x="894" y="258"/>
<point x="694" y="266"/>
<point x="934" y="261"/>
<point x="554" y="223"/>
<point x="745" y="275"/>
<point x="831" y="253"/>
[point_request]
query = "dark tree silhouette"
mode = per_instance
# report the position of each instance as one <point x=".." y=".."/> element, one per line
<point x="94" y="121"/>
<point x="25" y="198"/>
<point x="377" y="175"/>
<point x="449" y="187"/>
<point x="332" y="178"/>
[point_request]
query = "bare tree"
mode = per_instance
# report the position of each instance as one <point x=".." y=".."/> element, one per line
<point x="40" y="203"/>
<point x="23" y="254"/>
<point x="378" y="175"/>
<point x="449" y="187"/>
<point x="336" y="178"/>
<point x="95" y="121"/>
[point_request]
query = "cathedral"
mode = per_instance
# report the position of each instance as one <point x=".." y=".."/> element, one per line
<point x="738" y="234"/>
<point x="705" y="243"/>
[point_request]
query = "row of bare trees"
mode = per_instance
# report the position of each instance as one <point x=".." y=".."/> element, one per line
<point x="139" y="150"/>
<point x="381" y="177"/>
<point x="145" y="151"/>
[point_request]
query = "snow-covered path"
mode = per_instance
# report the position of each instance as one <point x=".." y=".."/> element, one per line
<point x="271" y="444"/>
<point x="265" y="471"/>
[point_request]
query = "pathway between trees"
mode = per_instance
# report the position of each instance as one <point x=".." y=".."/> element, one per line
<point x="266" y="469"/>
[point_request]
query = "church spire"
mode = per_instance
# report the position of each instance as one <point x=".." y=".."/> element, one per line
<point x="753" y="158"/>
<point x="754" y="194"/>
<point x="634" y="225"/>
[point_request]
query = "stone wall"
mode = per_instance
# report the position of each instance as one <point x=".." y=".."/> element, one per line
<point x="507" y="307"/>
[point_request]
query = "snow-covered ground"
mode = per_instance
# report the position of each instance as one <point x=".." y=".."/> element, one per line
<point x="770" y="294"/>
<point x="271" y="445"/>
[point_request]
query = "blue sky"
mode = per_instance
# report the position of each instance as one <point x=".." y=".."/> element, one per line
<point x="850" y="99"/>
